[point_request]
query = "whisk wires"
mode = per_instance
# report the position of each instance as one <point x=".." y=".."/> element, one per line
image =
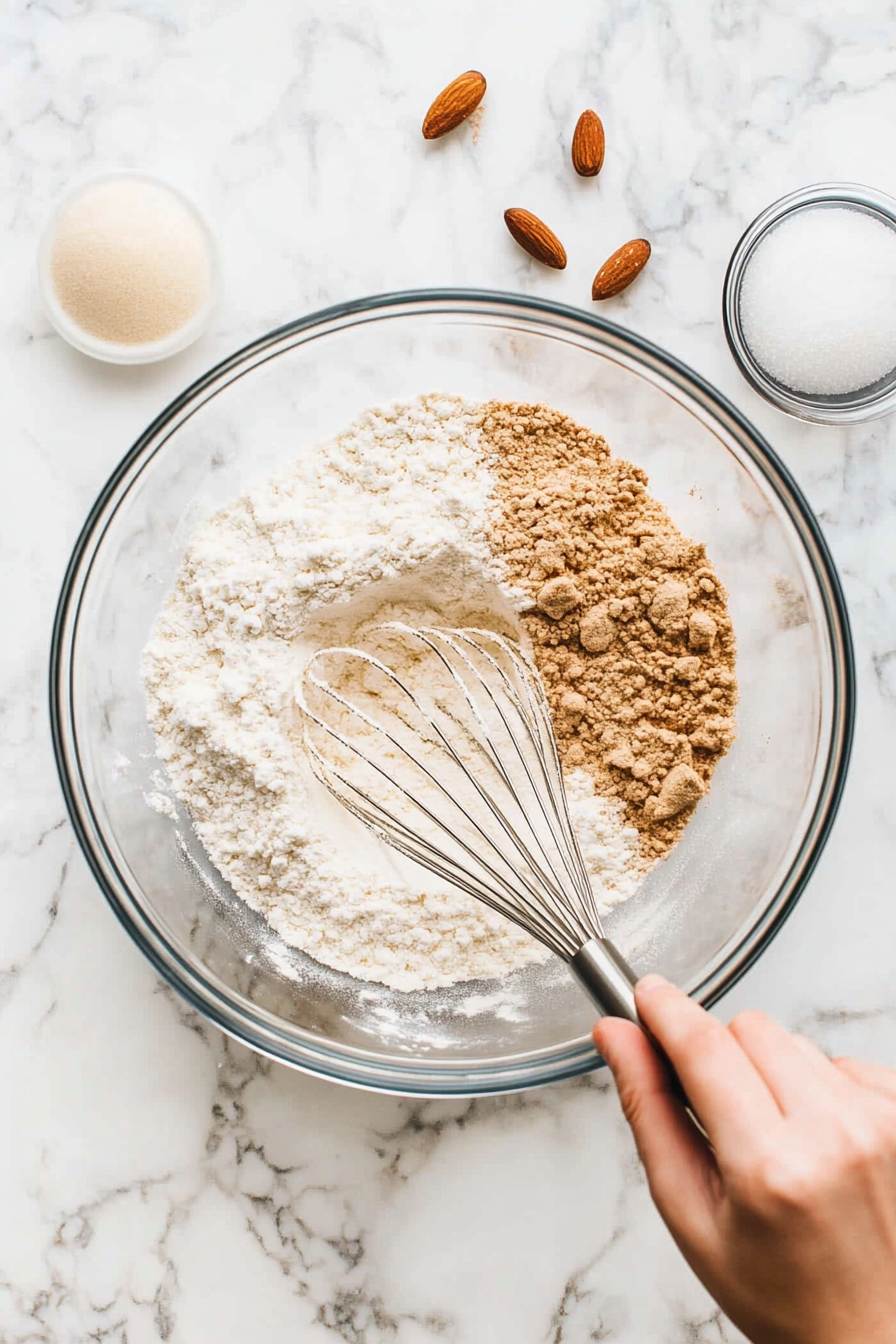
<point x="441" y="742"/>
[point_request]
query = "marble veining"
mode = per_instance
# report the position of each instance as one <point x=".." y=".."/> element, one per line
<point x="157" y="1181"/>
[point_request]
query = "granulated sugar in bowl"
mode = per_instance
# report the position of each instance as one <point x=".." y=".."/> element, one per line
<point x="810" y="304"/>
<point x="126" y="269"/>
<point x="818" y="300"/>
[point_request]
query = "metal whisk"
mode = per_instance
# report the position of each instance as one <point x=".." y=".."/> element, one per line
<point x="441" y="742"/>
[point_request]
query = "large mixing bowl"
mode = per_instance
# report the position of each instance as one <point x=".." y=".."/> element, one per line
<point x="701" y="917"/>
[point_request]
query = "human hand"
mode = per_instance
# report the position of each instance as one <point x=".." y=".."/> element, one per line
<point x="789" y="1219"/>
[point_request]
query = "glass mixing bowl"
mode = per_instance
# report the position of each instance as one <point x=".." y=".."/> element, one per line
<point x="701" y="918"/>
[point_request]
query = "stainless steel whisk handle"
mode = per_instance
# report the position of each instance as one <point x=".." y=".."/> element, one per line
<point x="609" y="982"/>
<point x="607" y="979"/>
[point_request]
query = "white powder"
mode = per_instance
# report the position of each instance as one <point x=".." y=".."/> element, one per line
<point x="610" y="849"/>
<point x="161" y="803"/>
<point x="818" y="301"/>
<point x="120" y="764"/>
<point x="387" y="521"/>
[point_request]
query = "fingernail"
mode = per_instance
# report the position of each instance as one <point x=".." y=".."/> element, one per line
<point x="649" y="983"/>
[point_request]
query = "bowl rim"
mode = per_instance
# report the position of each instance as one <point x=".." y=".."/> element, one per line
<point x="849" y="408"/>
<point x="256" y="1027"/>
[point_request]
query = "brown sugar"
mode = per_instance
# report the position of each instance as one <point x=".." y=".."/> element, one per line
<point x="628" y="620"/>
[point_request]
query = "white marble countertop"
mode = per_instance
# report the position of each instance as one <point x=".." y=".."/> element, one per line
<point x="156" y="1181"/>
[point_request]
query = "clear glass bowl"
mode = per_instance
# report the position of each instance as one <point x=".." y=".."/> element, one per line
<point x="839" y="408"/>
<point x="701" y="918"/>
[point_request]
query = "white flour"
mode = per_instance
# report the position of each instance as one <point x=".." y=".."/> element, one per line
<point x="387" y="521"/>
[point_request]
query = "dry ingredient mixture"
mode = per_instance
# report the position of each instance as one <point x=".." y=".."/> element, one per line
<point x="444" y="511"/>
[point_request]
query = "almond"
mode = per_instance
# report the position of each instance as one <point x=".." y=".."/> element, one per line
<point x="454" y="104"/>
<point x="620" y="270"/>
<point x="536" y="238"/>
<point x="588" y="144"/>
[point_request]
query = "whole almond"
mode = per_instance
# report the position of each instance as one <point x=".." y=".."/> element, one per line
<point x="536" y="238"/>
<point x="588" y="144"/>
<point x="621" y="269"/>
<point x="454" y="104"/>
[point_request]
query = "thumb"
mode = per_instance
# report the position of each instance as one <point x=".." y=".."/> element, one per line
<point x="680" y="1168"/>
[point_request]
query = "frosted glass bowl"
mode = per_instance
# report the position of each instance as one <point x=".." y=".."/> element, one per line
<point x="701" y="918"/>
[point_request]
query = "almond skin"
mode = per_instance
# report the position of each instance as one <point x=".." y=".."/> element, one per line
<point x="536" y="238"/>
<point x="618" y="271"/>
<point x="588" y="144"/>
<point x="454" y="104"/>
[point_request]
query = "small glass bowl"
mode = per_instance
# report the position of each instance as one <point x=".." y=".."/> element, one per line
<point x="845" y="408"/>
<point x="116" y="352"/>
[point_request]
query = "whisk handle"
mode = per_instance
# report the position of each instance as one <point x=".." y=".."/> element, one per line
<point x="609" y="982"/>
<point x="607" y="978"/>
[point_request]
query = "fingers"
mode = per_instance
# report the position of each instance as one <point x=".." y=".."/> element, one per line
<point x="808" y="1047"/>
<point x="680" y="1169"/>
<point x="795" y="1071"/>
<point x="874" y="1076"/>
<point x="724" y="1086"/>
